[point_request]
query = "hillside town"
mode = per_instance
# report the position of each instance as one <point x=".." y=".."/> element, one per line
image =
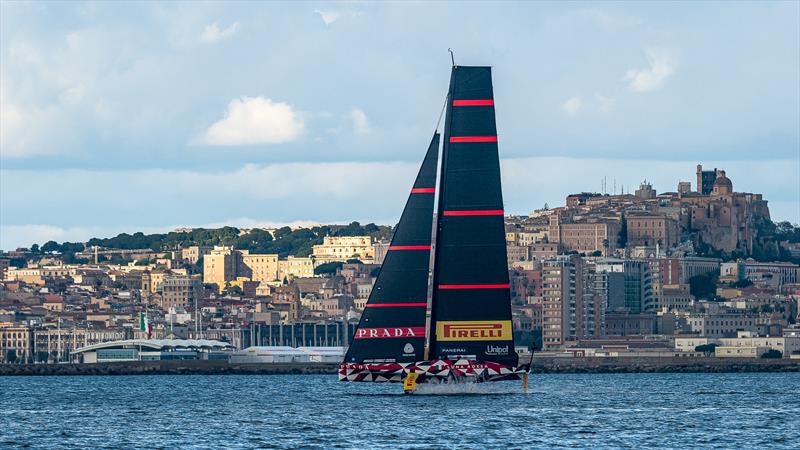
<point x="701" y="270"/>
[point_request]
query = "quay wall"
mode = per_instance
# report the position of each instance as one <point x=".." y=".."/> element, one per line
<point x="538" y="365"/>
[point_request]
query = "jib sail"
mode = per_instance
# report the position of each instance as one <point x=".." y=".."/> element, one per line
<point x="392" y="326"/>
<point x="471" y="304"/>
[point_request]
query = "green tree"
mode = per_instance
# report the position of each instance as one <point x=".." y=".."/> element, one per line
<point x="703" y="286"/>
<point x="742" y="283"/>
<point x="706" y="349"/>
<point x="772" y="354"/>
<point x="17" y="262"/>
<point x="71" y="247"/>
<point x="51" y="247"/>
<point x="622" y="239"/>
<point x="35" y="248"/>
<point x="232" y="290"/>
<point x="327" y="268"/>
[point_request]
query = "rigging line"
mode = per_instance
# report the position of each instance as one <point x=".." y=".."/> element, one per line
<point x="441" y="113"/>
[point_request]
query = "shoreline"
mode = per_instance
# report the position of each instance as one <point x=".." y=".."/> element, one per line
<point x="539" y="365"/>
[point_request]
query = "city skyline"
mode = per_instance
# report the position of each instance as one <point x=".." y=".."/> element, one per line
<point x="153" y="105"/>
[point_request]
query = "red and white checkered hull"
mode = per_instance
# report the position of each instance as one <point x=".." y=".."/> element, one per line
<point x="431" y="371"/>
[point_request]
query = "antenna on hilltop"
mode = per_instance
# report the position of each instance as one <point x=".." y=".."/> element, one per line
<point x="452" y="57"/>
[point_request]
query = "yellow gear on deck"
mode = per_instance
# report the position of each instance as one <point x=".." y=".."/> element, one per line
<point x="410" y="383"/>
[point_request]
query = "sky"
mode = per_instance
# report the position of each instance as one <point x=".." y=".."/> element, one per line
<point x="123" y="117"/>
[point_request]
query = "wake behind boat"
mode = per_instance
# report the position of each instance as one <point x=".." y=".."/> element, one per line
<point x="469" y="335"/>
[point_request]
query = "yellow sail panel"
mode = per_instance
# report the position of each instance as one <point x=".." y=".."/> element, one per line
<point x="474" y="330"/>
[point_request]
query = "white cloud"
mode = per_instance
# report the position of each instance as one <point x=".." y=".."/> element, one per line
<point x="255" y="120"/>
<point x="211" y="33"/>
<point x="328" y="16"/>
<point x="572" y="105"/>
<point x="327" y="193"/>
<point x="604" y="104"/>
<point x="662" y="64"/>
<point x="331" y="16"/>
<point x="360" y="122"/>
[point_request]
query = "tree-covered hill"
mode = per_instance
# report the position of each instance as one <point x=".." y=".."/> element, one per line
<point x="286" y="241"/>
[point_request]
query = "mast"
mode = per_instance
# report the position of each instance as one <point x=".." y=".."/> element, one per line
<point x="471" y="302"/>
<point x="392" y="326"/>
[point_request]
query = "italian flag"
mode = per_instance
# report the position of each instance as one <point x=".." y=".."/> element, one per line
<point x="144" y="324"/>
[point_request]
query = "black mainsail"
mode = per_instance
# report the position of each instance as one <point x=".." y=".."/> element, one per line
<point x="471" y="304"/>
<point x="392" y="326"/>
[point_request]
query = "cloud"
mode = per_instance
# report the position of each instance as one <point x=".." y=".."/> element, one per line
<point x="360" y="122"/>
<point x="255" y="120"/>
<point x="661" y="66"/>
<point x="325" y="192"/>
<point x="211" y="33"/>
<point x="328" y="16"/>
<point x="572" y="105"/>
<point x="604" y="104"/>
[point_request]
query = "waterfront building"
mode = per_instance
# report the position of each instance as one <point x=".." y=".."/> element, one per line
<point x="645" y="191"/>
<point x="674" y="297"/>
<point x="570" y="308"/>
<point x="637" y="282"/>
<point x="379" y="250"/>
<point x="543" y="251"/>
<point x="15" y="343"/>
<point x="180" y="291"/>
<point x="152" y="281"/>
<point x="153" y="350"/>
<point x="296" y="267"/>
<point x="220" y="266"/>
<point x="195" y="252"/>
<point x="744" y="344"/>
<point x="629" y="324"/>
<point x="705" y="180"/>
<point x="259" y="267"/>
<point x="585" y="236"/>
<point x="342" y="248"/>
<point x="650" y="229"/>
<point x="516" y="254"/>
<point x="692" y="266"/>
<point x="58" y="344"/>
<point x="785" y="272"/>
<point x="720" y="325"/>
<point x="4" y="265"/>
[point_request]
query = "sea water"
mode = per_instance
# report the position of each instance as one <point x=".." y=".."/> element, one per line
<point x="754" y="410"/>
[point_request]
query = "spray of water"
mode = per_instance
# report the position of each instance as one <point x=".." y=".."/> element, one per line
<point x="469" y="388"/>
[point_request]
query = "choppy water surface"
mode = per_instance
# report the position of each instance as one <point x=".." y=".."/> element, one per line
<point x="631" y="410"/>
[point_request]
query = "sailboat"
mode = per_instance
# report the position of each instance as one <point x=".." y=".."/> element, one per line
<point x="462" y="331"/>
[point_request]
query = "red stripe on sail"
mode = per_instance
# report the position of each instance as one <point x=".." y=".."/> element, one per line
<point x="389" y="333"/>
<point x="456" y="139"/>
<point x="489" y="102"/>
<point x="474" y="286"/>
<point x="410" y="247"/>
<point x="475" y="212"/>
<point x="423" y="190"/>
<point x="397" y="305"/>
